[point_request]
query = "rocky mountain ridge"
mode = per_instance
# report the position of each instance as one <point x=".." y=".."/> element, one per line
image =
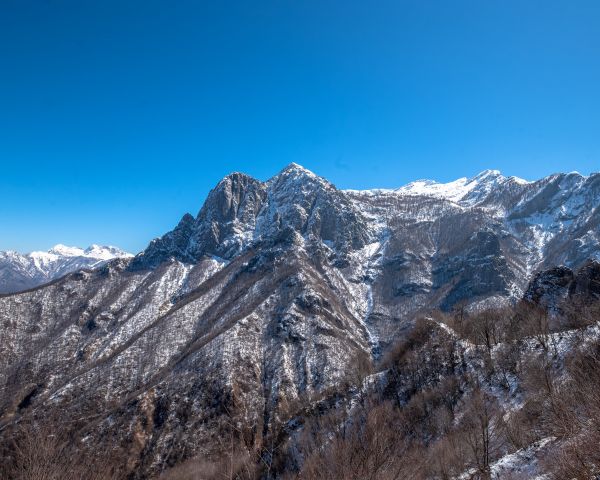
<point x="489" y="233"/>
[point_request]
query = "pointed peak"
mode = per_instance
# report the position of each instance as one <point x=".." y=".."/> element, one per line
<point x="496" y="175"/>
<point x="186" y="221"/>
<point x="236" y="177"/>
<point x="235" y="181"/>
<point x="187" y="218"/>
<point x="296" y="169"/>
<point x="294" y="166"/>
<point x="296" y="172"/>
<point x="487" y="174"/>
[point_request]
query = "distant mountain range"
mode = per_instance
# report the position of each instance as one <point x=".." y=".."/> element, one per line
<point x="271" y="295"/>
<point x="23" y="271"/>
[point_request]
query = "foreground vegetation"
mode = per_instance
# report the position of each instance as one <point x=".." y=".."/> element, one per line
<point x="459" y="393"/>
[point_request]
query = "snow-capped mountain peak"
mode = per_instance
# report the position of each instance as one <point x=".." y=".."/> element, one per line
<point x="295" y="167"/>
<point x="457" y="190"/>
<point x="465" y="191"/>
<point x="488" y="173"/>
<point x="23" y="271"/>
<point x="296" y="174"/>
<point x="65" y="251"/>
<point x="105" y="252"/>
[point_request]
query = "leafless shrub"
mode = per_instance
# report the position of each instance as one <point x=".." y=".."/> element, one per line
<point x="43" y="452"/>
<point x="369" y="447"/>
<point x="239" y="466"/>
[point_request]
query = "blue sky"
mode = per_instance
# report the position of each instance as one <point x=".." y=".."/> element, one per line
<point x="117" y="117"/>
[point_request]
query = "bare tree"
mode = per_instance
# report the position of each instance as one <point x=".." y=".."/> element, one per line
<point x="482" y="429"/>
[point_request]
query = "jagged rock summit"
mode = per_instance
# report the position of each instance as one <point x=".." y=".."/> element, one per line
<point x="241" y="211"/>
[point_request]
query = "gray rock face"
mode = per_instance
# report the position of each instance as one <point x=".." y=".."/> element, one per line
<point x="221" y="227"/>
<point x="272" y="293"/>
<point x="553" y="286"/>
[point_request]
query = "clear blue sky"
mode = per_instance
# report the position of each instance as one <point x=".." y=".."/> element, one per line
<point x="116" y="117"/>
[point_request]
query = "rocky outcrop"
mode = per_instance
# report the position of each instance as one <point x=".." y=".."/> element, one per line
<point x="553" y="286"/>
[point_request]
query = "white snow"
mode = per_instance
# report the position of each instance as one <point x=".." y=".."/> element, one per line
<point x="522" y="462"/>
<point x="456" y="191"/>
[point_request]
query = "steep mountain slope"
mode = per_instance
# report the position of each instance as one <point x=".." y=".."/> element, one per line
<point x="19" y="272"/>
<point x="275" y="292"/>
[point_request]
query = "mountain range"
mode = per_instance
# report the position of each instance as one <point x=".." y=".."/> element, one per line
<point x="23" y="271"/>
<point x="270" y="296"/>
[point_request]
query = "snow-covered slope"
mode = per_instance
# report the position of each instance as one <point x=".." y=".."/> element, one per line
<point x="22" y="271"/>
<point x="538" y="224"/>
<point x="468" y="191"/>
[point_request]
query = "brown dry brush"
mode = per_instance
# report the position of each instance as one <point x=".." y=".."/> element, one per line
<point x="369" y="447"/>
<point x="432" y="419"/>
<point x="43" y="451"/>
<point x="574" y="417"/>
